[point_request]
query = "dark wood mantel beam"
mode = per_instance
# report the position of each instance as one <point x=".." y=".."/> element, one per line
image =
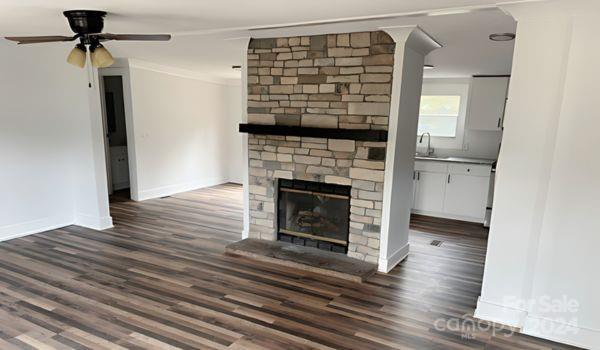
<point x="328" y="133"/>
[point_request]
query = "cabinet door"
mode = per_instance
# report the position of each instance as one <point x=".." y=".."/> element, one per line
<point x="488" y="99"/>
<point x="429" y="194"/>
<point x="466" y="195"/>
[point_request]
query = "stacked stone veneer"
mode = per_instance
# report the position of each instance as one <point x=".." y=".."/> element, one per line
<point x="331" y="81"/>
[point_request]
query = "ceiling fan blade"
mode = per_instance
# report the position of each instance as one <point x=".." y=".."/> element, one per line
<point x="142" y="37"/>
<point x="40" y="39"/>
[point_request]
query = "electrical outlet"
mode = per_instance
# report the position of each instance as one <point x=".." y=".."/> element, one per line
<point x="465" y="146"/>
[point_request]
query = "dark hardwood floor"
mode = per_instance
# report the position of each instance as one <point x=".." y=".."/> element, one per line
<point x="446" y="226"/>
<point x="123" y="195"/>
<point x="159" y="280"/>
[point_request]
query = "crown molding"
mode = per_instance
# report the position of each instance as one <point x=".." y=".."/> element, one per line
<point x="178" y="72"/>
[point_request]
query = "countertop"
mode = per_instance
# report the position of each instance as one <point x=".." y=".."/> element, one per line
<point x="480" y="161"/>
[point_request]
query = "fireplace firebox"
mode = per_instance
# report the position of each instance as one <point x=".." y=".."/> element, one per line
<point x="314" y="214"/>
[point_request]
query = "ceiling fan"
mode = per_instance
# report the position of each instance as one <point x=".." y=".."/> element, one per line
<point x="87" y="26"/>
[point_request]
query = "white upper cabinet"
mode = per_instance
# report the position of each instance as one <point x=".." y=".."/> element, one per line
<point x="487" y="102"/>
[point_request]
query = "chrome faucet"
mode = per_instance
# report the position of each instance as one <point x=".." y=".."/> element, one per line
<point x="429" y="149"/>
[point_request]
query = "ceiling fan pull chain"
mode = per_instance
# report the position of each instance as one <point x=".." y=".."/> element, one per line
<point x="90" y="73"/>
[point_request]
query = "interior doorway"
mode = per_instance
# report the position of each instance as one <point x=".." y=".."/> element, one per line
<point x="116" y="143"/>
<point x="461" y="121"/>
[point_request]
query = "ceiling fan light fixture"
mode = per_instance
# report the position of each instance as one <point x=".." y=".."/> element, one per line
<point x="87" y="26"/>
<point x="77" y="56"/>
<point x="101" y="58"/>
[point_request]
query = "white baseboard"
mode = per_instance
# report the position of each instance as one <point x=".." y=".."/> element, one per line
<point x="500" y="314"/>
<point x="571" y="334"/>
<point x="178" y="188"/>
<point x="34" y="226"/>
<point x="236" y="179"/>
<point x="386" y="264"/>
<point x="93" y="222"/>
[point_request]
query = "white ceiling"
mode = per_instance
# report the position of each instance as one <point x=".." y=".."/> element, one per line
<point x="200" y="27"/>
<point x="467" y="49"/>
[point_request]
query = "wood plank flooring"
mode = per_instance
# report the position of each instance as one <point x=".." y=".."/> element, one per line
<point x="159" y="280"/>
<point x="447" y="226"/>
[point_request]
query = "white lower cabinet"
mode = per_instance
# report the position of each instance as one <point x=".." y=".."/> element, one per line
<point x="429" y="194"/>
<point x="466" y="196"/>
<point x="455" y="191"/>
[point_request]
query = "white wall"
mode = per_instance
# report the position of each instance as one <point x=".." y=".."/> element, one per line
<point x="185" y="132"/>
<point x="571" y="226"/>
<point x="237" y="163"/>
<point x="478" y="144"/>
<point x="46" y="148"/>
<point x="544" y="232"/>
<point x="51" y="139"/>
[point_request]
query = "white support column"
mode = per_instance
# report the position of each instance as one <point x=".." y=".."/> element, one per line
<point x="245" y="178"/>
<point x="412" y="44"/>
<point x="542" y="257"/>
<point x="524" y="162"/>
<point x="91" y="194"/>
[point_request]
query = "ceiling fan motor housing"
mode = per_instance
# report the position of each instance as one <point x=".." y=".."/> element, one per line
<point x="85" y="21"/>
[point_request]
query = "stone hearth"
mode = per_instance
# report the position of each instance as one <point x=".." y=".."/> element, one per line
<point x="303" y="258"/>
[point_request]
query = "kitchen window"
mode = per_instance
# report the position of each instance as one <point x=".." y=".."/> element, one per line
<point x="442" y="112"/>
<point x="438" y="115"/>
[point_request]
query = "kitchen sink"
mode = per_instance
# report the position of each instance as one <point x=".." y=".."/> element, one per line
<point x="455" y="159"/>
<point x="433" y="156"/>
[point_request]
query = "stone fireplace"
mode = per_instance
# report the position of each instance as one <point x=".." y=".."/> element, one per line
<point x="335" y="81"/>
<point x="314" y="214"/>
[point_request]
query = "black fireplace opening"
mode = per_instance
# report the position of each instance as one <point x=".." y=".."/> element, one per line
<point x="314" y="214"/>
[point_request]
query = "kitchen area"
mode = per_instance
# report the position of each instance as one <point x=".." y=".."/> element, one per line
<point x="459" y="138"/>
<point x="461" y="121"/>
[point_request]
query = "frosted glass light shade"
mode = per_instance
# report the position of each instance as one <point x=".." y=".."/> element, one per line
<point x="101" y="58"/>
<point x="77" y="57"/>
